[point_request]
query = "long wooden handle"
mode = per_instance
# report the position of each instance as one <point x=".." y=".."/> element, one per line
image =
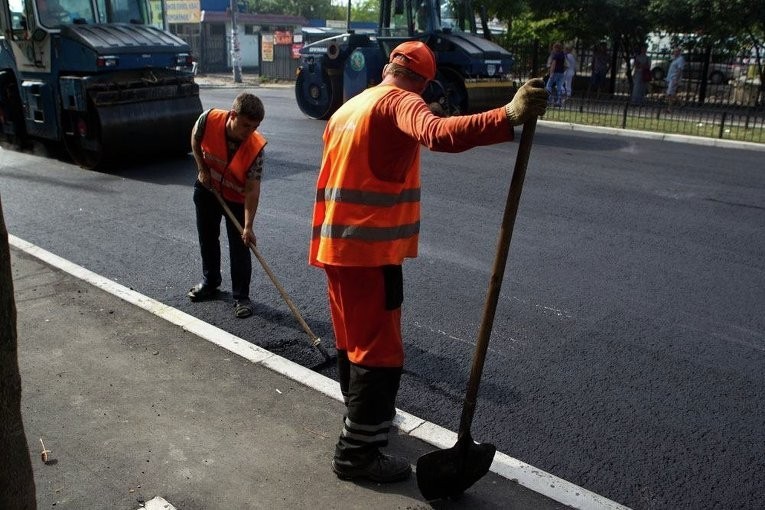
<point x="498" y="273"/>
<point x="315" y="340"/>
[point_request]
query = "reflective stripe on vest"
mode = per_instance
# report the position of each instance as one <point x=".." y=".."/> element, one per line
<point x="367" y="233"/>
<point x="368" y="197"/>
<point x="359" y="219"/>
<point x="217" y="178"/>
<point x="228" y="177"/>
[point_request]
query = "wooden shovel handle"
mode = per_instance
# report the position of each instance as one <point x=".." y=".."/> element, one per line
<point x="498" y="272"/>
<point x="316" y="341"/>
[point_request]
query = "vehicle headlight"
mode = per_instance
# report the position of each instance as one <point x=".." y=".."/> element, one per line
<point x="107" y="61"/>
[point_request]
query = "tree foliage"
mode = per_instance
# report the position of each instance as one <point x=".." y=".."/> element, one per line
<point x="715" y="20"/>
<point x="365" y="10"/>
<point x="587" y="21"/>
<point x="306" y="8"/>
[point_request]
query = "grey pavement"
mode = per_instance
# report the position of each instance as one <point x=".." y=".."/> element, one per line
<point x="135" y="408"/>
<point x="226" y="80"/>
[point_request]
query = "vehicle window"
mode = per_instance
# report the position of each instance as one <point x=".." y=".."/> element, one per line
<point x="155" y="14"/>
<point x="398" y="21"/>
<point x="449" y="19"/>
<point x="128" y="11"/>
<point x="18" y="17"/>
<point x="54" y="13"/>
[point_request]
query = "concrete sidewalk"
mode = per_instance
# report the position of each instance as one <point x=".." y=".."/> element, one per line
<point x="134" y="407"/>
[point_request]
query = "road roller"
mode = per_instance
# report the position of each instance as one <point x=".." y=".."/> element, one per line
<point x="101" y="77"/>
<point x="472" y="71"/>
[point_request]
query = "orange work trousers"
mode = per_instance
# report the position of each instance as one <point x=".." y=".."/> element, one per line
<point x="366" y="313"/>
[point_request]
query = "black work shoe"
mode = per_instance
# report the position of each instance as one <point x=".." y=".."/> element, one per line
<point x="383" y="468"/>
<point x="202" y="292"/>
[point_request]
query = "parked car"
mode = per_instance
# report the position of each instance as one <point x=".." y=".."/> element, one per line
<point x="719" y="73"/>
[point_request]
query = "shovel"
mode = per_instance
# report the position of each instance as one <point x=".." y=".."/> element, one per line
<point x="315" y="340"/>
<point x="448" y="473"/>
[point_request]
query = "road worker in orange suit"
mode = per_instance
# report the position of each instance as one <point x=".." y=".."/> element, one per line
<point x="366" y="221"/>
<point x="228" y="151"/>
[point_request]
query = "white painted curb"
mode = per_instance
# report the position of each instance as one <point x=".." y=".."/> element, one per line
<point x="513" y="469"/>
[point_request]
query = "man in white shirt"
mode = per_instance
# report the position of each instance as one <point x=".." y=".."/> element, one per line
<point x="674" y="74"/>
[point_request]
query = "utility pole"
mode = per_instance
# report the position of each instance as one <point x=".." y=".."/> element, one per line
<point x="236" y="61"/>
<point x="165" y="26"/>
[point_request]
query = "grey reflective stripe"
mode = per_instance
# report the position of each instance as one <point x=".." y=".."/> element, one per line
<point x="354" y="196"/>
<point x="368" y="233"/>
<point x="212" y="157"/>
<point x="367" y="428"/>
<point x="217" y="177"/>
<point x="233" y="186"/>
<point x="363" y="438"/>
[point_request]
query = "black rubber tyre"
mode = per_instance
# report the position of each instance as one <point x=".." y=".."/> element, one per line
<point x="318" y="100"/>
<point x="448" y="91"/>
<point x="17" y="140"/>
<point x="716" y="78"/>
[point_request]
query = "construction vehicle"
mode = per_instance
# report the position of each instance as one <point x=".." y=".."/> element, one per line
<point x="101" y="77"/>
<point x="472" y="72"/>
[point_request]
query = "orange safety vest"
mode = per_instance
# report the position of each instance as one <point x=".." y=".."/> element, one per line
<point x="358" y="219"/>
<point x="228" y="177"/>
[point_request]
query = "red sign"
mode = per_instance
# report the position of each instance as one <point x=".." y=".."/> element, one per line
<point x="282" y="37"/>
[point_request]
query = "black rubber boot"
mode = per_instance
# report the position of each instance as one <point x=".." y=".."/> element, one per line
<point x="382" y="469"/>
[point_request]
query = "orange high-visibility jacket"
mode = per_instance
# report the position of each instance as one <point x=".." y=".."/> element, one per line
<point x="228" y="177"/>
<point x="359" y="219"/>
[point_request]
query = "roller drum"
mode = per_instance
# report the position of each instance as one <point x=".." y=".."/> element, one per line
<point x="483" y="96"/>
<point x="152" y="127"/>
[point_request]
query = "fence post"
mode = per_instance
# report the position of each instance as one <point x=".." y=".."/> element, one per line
<point x="722" y="123"/>
<point x="624" y="117"/>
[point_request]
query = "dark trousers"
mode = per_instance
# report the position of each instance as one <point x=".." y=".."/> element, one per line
<point x="370" y="399"/>
<point x="209" y="214"/>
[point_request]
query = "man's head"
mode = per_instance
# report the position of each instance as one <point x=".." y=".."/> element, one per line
<point x="416" y="57"/>
<point x="247" y="113"/>
<point x="676" y="52"/>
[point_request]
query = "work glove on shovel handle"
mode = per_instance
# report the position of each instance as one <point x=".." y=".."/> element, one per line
<point x="530" y="101"/>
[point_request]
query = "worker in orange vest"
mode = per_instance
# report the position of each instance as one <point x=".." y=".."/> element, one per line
<point x="229" y="155"/>
<point x="366" y="221"/>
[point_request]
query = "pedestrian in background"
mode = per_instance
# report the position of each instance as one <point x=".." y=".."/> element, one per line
<point x="674" y="74"/>
<point x="641" y="75"/>
<point x="570" y="71"/>
<point x="229" y="155"/>
<point x="556" y="82"/>
<point x="366" y="221"/>
<point x="600" y="66"/>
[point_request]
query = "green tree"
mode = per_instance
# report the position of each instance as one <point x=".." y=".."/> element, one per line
<point x="306" y="8"/>
<point x="737" y="25"/>
<point x="365" y="10"/>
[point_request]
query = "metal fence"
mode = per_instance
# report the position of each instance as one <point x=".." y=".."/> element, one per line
<point x="711" y="76"/>
<point x="719" y="95"/>
<point x="729" y="123"/>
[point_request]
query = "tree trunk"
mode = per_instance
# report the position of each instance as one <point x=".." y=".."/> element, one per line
<point x="17" y="485"/>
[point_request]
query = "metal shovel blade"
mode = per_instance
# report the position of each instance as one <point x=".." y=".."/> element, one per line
<point x="448" y="473"/>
